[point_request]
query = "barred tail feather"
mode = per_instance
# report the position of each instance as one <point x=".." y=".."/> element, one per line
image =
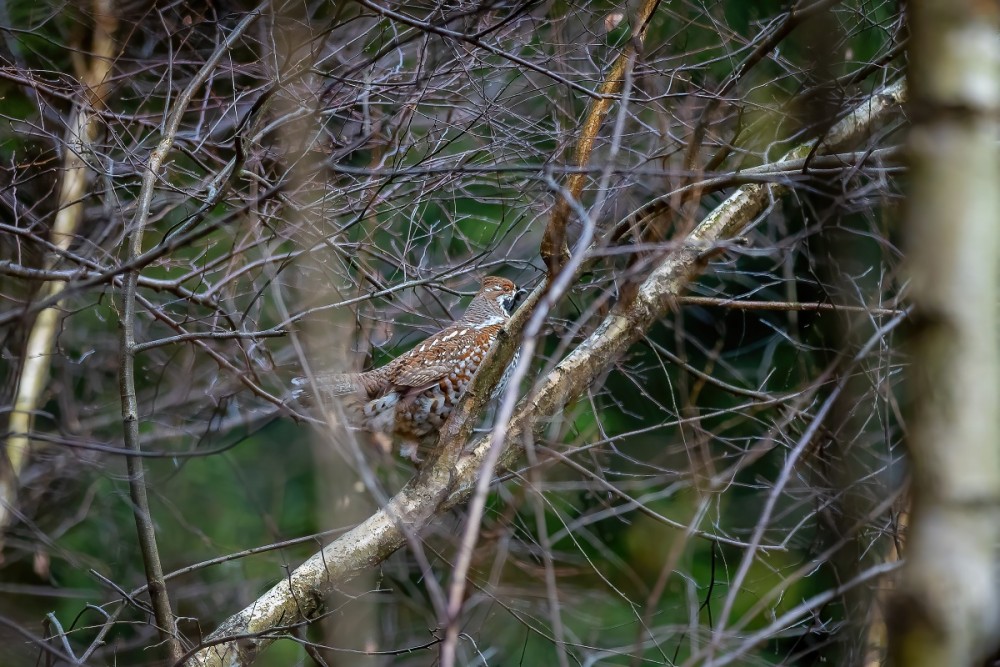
<point x="335" y="385"/>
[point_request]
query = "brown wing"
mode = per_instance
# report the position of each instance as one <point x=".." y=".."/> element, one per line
<point x="433" y="360"/>
<point x="422" y="378"/>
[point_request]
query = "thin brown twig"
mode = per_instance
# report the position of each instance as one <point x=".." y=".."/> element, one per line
<point x="807" y="306"/>
<point x="208" y="335"/>
<point x="750" y="554"/>
<point x="553" y="246"/>
<point x="166" y="624"/>
<point x="553" y="289"/>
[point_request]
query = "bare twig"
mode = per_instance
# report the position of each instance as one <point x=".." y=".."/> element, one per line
<point x="476" y="41"/>
<point x="554" y="289"/>
<point x="768" y="42"/>
<point x="130" y="407"/>
<point x="791" y="461"/>
<point x="804" y="306"/>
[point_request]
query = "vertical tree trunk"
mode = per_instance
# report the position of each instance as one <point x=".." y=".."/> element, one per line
<point x="947" y="610"/>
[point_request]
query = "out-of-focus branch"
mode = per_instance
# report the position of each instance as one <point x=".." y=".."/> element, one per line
<point x="946" y="610"/>
<point x="553" y="248"/>
<point x="298" y="596"/>
<point x="130" y="405"/>
<point x="75" y="177"/>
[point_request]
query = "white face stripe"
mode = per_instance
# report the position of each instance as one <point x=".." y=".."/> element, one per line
<point x="490" y="321"/>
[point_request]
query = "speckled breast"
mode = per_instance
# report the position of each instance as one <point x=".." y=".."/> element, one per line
<point x="425" y="414"/>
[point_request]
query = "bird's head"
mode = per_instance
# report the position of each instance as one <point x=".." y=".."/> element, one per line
<point x="501" y="292"/>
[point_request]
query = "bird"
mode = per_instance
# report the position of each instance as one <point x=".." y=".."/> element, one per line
<point x="412" y="396"/>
